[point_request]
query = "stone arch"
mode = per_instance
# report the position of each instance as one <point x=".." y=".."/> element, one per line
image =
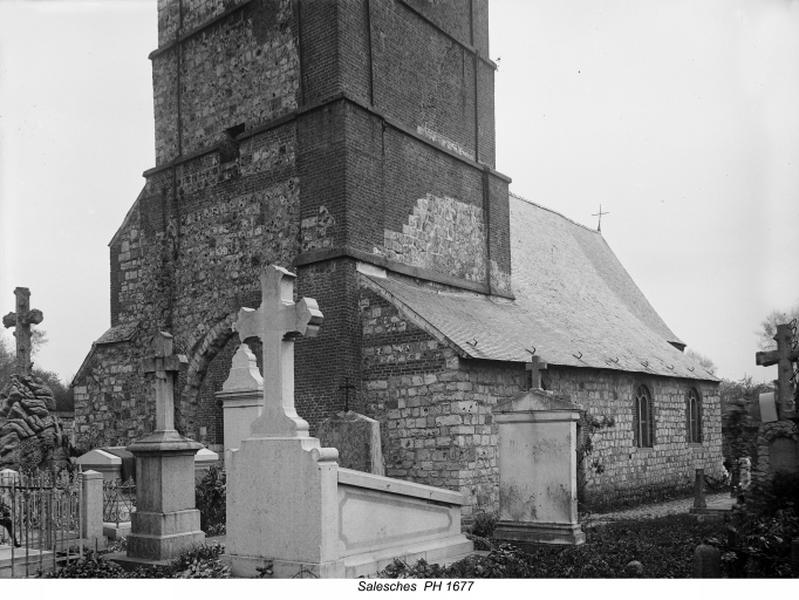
<point x="201" y="357"/>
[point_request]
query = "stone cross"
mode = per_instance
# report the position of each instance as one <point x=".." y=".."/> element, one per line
<point x="784" y="357"/>
<point x="277" y="322"/>
<point x="21" y="320"/>
<point x="165" y="366"/>
<point x="536" y="366"/>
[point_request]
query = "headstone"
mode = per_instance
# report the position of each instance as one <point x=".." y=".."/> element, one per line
<point x="538" y="469"/>
<point x="767" y="407"/>
<point x="707" y="562"/>
<point x="357" y="439"/>
<point x="699" y="490"/>
<point x="31" y="437"/>
<point x="166" y="521"/>
<point x="282" y="502"/>
<point x="242" y="397"/>
<point x="783" y="456"/>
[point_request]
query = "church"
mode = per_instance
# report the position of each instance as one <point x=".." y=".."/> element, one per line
<point x="353" y="143"/>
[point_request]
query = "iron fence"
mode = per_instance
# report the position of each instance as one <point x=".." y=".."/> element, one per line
<point x="119" y="500"/>
<point x="41" y="521"/>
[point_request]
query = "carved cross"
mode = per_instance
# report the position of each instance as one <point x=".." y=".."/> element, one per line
<point x="21" y="320"/>
<point x="536" y="367"/>
<point x="783" y="357"/>
<point x="277" y="322"/>
<point x="165" y="366"/>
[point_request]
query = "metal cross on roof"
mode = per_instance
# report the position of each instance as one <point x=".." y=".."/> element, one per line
<point x="21" y="321"/>
<point x="784" y="357"/>
<point x="277" y="322"/>
<point x="599" y="220"/>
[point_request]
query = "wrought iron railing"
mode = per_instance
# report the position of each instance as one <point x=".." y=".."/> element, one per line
<point x="41" y="520"/>
<point x="119" y="500"/>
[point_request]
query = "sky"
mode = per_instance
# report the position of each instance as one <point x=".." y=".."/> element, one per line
<point x="679" y="117"/>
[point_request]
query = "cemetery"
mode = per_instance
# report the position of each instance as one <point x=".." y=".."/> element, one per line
<point x="340" y="347"/>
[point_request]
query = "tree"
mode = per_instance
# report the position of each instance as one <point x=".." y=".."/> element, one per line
<point x="703" y="360"/>
<point x="768" y="327"/>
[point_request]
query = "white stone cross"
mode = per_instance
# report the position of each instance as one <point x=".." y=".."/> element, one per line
<point x="165" y="365"/>
<point x="276" y="323"/>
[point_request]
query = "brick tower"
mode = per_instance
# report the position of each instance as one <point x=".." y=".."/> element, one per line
<point x="325" y="136"/>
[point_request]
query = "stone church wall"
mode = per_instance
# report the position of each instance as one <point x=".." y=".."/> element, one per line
<point x="616" y="470"/>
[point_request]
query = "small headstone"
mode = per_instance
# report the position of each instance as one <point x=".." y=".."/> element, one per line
<point x="634" y="568"/>
<point x="357" y="439"/>
<point x="783" y="456"/>
<point x="699" y="489"/>
<point x="768" y="407"/>
<point x="707" y="562"/>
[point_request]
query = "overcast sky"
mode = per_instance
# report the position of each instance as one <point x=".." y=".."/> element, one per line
<point x="680" y="117"/>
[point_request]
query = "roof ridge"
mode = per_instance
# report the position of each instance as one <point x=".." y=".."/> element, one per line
<point x="553" y="211"/>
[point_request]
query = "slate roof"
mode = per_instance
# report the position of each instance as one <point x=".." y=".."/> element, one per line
<point x="574" y="303"/>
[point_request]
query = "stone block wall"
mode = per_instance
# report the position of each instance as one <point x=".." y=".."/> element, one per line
<point x="434" y="407"/>
<point x="618" y="471"/>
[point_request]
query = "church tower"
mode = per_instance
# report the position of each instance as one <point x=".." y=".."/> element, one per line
<point x="326" y="136"/>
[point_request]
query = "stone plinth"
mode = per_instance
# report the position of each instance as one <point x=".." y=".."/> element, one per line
<point x="166" y="521"/>
<point x="357" y="439"/>
<point x="538" y="469"/>
<point x="282" y="507"/>
<point x="242" y="397"/>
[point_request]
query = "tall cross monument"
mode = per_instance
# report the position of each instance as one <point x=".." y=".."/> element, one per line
<point x="784" y="357"/>
<point x="277" y="322"/>
<point x="166" y="521"/>
<point x="21" y="321"/>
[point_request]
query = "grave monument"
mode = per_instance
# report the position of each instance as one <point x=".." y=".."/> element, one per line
<point x="289" y="505"/>
<point x="166" y="521"/>
<point x="31" y="437"/>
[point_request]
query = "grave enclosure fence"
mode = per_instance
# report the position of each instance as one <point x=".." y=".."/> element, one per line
<point x="119" y="500"/>
<point x="42" y="522"/>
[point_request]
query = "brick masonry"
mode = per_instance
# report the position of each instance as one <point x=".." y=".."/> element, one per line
<point x="436" y="411"/>
<point x="315" y="135"/>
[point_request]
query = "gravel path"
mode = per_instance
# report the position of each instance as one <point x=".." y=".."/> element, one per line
<point x="653" y="511"/>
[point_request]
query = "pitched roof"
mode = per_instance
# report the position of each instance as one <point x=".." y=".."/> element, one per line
<point x="575" y="305"/>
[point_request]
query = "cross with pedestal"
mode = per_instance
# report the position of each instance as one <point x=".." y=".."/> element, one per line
<point x="784" y="357"/>
<point x="277" y="322"/>
<point x="21" y="320"/>
<point x="536" y="367"/>
<point x="165" y="366"/>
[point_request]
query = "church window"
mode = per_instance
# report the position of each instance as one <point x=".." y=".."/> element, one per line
<point x="643" y="418"/>
<point x="693" y="409"/>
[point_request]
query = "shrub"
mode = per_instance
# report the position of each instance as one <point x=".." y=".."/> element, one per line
<point x="210" y="498"/>
<point x="199" y="562"/>
<point x="758" y="540"/>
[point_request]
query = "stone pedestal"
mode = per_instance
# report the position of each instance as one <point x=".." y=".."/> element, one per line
<point x="538" y="469"/>
<point x="242" y="397"/>
<point x="357" y="439"/>
<point x="282" y="507"/>
<point x="166" y="521"/>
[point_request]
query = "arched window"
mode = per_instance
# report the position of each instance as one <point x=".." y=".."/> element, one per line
<point x="693" y="412"/>
<point x="643" y="418"/>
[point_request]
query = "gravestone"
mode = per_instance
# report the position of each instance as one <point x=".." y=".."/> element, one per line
<point x="357" y="439"/>
<point x="31" y="437"/>
<point x="538" y="468"/>
<point x="166" y="520"/>
<point x="242" y="397"/>
<point x="783" y="457"/>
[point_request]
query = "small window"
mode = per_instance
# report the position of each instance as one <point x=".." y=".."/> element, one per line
<point x="643" y="418"/>
<point x="693" y="410"/>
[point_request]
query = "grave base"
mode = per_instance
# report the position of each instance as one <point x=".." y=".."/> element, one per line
<point x="567" y="534"/>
